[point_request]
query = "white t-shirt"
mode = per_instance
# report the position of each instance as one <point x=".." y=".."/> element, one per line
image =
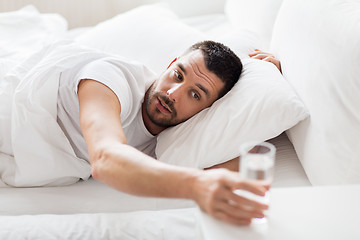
<point x="128" y="80"/>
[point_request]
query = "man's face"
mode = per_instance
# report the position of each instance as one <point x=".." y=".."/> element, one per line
<point x="184" y="89"/>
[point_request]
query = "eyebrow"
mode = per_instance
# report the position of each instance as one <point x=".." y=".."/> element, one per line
<point x="181" y="66"/>
<point x="202" y="88"/>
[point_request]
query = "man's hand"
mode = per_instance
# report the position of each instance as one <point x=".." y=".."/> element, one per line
<point x="257" y="54"/>
<point x="214" y="193"/>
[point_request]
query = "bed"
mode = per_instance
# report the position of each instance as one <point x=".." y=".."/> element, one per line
<point x="77" y="206"/>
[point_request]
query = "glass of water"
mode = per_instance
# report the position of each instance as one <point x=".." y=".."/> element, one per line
<point x="257" y="164"/>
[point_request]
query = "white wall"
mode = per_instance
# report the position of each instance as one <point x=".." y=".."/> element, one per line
<point x="77" y="12"/>
<point x="188" y="8"/>
<point x="81" y="13"/>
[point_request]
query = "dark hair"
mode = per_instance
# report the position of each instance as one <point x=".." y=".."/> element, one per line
<point x="222" y="61"/>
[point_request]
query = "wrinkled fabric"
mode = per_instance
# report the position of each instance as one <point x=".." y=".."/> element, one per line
<point x="33" y="149"/>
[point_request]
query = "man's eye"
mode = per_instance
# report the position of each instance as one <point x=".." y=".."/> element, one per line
<point x="178" y="75"/>
<point x="195" y="95"/>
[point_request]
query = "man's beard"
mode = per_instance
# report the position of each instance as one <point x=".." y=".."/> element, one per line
<point x="161" y="122"/>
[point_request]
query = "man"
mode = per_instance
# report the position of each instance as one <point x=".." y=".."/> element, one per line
<point x="120" y="114"/>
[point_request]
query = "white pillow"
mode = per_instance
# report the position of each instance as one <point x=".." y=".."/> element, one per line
<point x="259" y="107"/>
<point x="254" y="15"/>
<point x="262" y="106"/>
<point x="242" y="42"/>
<point x="318" y="43"/>
<point x="151" y="34"/>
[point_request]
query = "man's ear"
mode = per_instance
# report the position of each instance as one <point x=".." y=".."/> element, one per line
<point x="172" y="62"/>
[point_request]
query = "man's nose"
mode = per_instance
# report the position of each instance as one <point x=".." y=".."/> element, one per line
<point x="174" y="92"/>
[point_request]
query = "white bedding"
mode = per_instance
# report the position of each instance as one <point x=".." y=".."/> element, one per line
<point x="174" y="224"/>
<point x="35" y="151"/>
<point x="92" y="210"/>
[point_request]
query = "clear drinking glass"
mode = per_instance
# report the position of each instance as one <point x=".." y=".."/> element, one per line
<point x="257" y="164"/>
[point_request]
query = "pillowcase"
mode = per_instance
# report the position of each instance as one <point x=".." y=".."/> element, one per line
<point x="321" y="58"/>
<point x="259" y="107"/>
<point x="255" y="15"/>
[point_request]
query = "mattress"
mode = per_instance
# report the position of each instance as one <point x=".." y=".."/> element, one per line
<point x="288" y="169"/>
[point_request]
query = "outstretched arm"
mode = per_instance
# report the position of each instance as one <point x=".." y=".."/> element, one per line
<point x="129" y="170"/>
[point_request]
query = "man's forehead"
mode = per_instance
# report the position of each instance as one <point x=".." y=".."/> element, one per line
<point x="188" y="60"/>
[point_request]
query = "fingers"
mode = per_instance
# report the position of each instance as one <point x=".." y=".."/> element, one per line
<point x="242" y="211"/>
<point x="275" y="61"/>
<point x="257" y="54"/>
<point x="232" y="220"/>
<point x="239" y="201"/>
<point x="215" y="195"/>
<point x="236" y="182"/>
<point x="235" y="213"/>
<point x="261" y="56"/>
<point x="237" y="209"/>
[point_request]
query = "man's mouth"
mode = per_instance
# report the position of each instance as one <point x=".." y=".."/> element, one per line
<point x="162" y="106"/>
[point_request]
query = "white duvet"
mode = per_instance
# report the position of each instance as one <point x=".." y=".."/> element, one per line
<point x="34" y="150"/>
